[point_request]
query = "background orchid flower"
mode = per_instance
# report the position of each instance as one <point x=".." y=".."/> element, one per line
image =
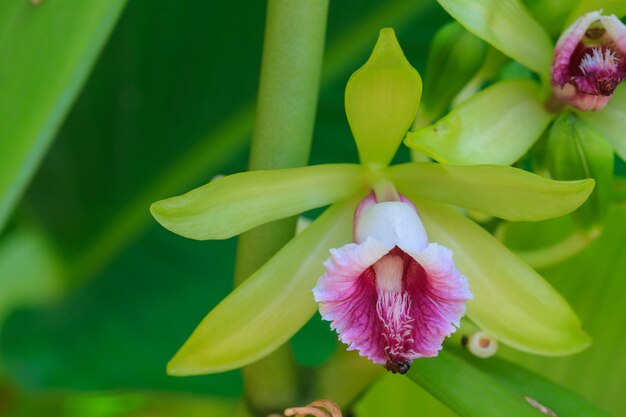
<point x="579" y="80"/>
<point x="511" y="301"/>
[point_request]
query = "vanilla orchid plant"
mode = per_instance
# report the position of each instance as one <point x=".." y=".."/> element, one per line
<point x="405" y="261"/>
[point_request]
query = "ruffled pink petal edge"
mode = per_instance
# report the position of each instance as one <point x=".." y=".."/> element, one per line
<point x="348" y="296"/>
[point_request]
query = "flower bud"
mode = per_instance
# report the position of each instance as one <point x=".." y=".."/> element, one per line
<point x="454" y="58"/>
<point x="590" y="61"/>
<point x="576" y="151"/>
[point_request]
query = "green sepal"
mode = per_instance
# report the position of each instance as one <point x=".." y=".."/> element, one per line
<point x="507" y="26"/>
<point x="575" y="151"/>
<point x="496" y="126"/>
<point x="505" y="192"/>
<point x="511" y="301"/>
<point x="382" y="98"/>
<point x="455" y="56"/>
<point x="270" y="306"/>
<point x="231" y="205"/>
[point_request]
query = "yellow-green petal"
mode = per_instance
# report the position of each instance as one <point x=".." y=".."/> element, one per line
<point x="509" y="27"/>
<point x="231" y="205"/>
<point x="511" y="301"/>
<point x="611" y="120"/>
<point x="270" y="306"/>
<point x="496" y="126"/>
<point x="381" y="101"/>
<point x="505" y="192"/>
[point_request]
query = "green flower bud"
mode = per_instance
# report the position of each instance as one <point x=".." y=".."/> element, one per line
<point x="454" y="58"/>
<point x="576" y="151"/>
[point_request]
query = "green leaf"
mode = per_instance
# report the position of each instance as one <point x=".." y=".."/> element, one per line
<point x="593" y="281"/>
<point x="270" y="306"/>
<point x="475" y="387"/>
<point x="504" y="192"/>
<point x="575" y="151"/>
<point x="382" y="98"/>
<point x="610" y="121"/>
<point x="509" y="27"/>
<point x="396" y="396"/>
<point x="231" y="205"/>
<point x="47" y="51"/>
<point x="511" y="301"/>
<point x="496" y="126"/>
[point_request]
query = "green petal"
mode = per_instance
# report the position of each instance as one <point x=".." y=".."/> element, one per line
<point x="504" y="192"/>
<point x="511" y="301"/>
<point x="509" y="27"/>
<point x="611" y="120"/>
<point x="231" y="205"/>
<point x="474" y="387"/>
<point x="270" y="306"/>
<point x="381" y="101"/>
<point x="496" y="126"/>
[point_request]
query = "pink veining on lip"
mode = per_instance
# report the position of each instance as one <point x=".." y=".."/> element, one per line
<point x="392" y="295"/>
<point x="590" y="61"/>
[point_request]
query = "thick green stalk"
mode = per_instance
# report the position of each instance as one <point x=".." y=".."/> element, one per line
<point x="290" y="73"/>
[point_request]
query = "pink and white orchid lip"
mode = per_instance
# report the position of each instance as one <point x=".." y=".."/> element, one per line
<point x="392" y="295"/>
<point x="590" y="61"/>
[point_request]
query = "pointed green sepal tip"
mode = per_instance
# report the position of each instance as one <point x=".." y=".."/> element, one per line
<point x="382" y="98"/>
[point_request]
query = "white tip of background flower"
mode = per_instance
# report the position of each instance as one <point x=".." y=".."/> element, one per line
<point x="590" y="61"/>
<point x="392" y="296"/>
<point x="482" y="344"/>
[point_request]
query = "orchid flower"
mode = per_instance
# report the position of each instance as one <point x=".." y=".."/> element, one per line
<point x="583" y="71"/>
<point x="409" y="205"/>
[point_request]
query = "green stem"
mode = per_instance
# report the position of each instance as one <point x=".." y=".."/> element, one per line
<point x="290" y="74"/>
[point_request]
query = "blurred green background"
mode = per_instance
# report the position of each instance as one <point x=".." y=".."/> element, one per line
<point x="95" y="297"/>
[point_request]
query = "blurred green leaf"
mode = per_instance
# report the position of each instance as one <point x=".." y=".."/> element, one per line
<point x="47" y="50"/>
<point x="511" y="301"/>
<point x="509" y="193"/>
<point x="269" y="307"/>
<point x="118" y="404"/>
<point x="234" y="204"/>
<point x="594" y="283"/>
<point x="121" y="329"/>
<point x="496" y="126"/>
<point x="474" y="387"/>
<point x="394" y="396"/>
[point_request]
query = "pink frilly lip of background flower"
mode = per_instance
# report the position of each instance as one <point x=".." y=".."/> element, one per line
<point x="392" y="295"/>
<point x="590" y="61"/>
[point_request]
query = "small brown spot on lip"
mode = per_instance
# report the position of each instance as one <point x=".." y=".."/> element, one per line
<point x="484" y="342"/>
<point x="536" y="404"/>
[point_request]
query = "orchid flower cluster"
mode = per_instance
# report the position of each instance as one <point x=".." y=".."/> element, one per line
<point x="405" y="262"/>
<point x="570" y="102"/>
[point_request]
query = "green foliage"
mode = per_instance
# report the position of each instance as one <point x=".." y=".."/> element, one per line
<point x="47" y="51"/>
